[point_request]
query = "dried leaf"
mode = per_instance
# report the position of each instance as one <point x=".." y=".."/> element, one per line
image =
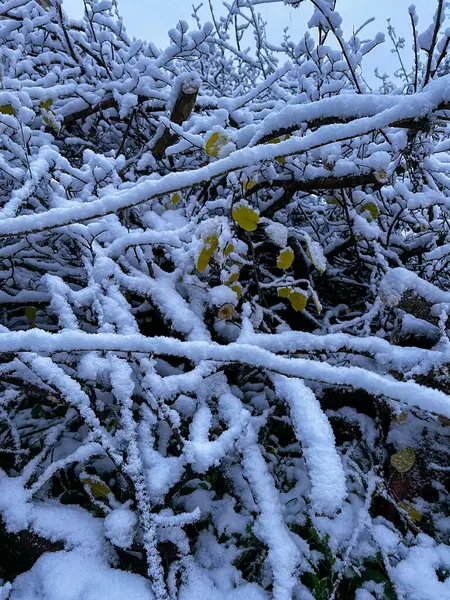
<point x="49" y="118"/>
<point x="226" y="311"/>
<point x="381" y="176"/>
<point x="203" y="259"/>
<point x="402" y="417"/>
<point x="279" y="159"/>
<point x="414" y="515"/>
<point x="277" y="140"/>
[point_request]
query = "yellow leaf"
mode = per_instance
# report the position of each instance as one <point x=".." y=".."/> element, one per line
<point x="46" y="104"/>
<point x="372" y="209"/>
<point x="226" y="311"/>
<point x="229" y="248"/>
<point x="414" y="515"/>
<point x="49" y="123"/>
<point x="49" y="119"/>
<point x="285" y="259"/>
<point x="277" y="140"/>
<point x="212" y="242"/>
<point x="30" y="313"/>
<point x="238" y="289"/>
<point x="280" y="159"/>
<point x="298" y="301"/>
<point x="215" y="143"/>
<point x="284" y="292"/>
<point x="245" y="217"/>
<point x="6" y="109"/>
<point x="403" y="460"/>
<point x="211" y="245"/>
<point x="248" y="184"/>
<point x="98" y="489"/>
<point x="175" y="198"/>
<point x="203" y="259"/>
<point x="233" y="277"/>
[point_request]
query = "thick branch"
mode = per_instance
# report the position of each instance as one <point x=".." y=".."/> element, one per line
<point x="174" y="182"/>
<point x="319" y="183"/>
<point x="313" y="185"/>
<point x="184" y="105"/>
<point x="408" y="392"/>
<point x="105" y="104"/>
<point x="408" y="123"/>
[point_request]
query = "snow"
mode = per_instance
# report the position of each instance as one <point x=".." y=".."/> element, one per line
<point x="227" y="442"/>
<point x="75" y="576"/>
<point x="222" y="294"/>
<point x="314" y="431"/>
<point x="396" y="109"/>
<point x="283" y="553"/>
<point x="406" y="392"/>
<point x="397" y="281"/>
<point x="119" y="525"/>
<point x="278" y="233"/>
<point x="203" y="453"/>
<point x="13" y="503"/>
<point x="424" y="583"/>
<point x="201" y="586"/>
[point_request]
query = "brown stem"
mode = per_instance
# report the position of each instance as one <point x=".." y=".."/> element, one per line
<point x="437" y="26"/>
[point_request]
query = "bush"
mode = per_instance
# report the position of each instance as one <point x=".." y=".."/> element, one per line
<point x="225" y="293"/>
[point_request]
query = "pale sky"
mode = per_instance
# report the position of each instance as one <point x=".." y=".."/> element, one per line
<point x="151" y="19"/>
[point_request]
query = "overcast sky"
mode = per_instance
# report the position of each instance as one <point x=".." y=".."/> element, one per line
<point x="151" y="19"/>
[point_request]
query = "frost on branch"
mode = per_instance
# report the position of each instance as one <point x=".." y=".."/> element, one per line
<point x="224" y="309"/>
